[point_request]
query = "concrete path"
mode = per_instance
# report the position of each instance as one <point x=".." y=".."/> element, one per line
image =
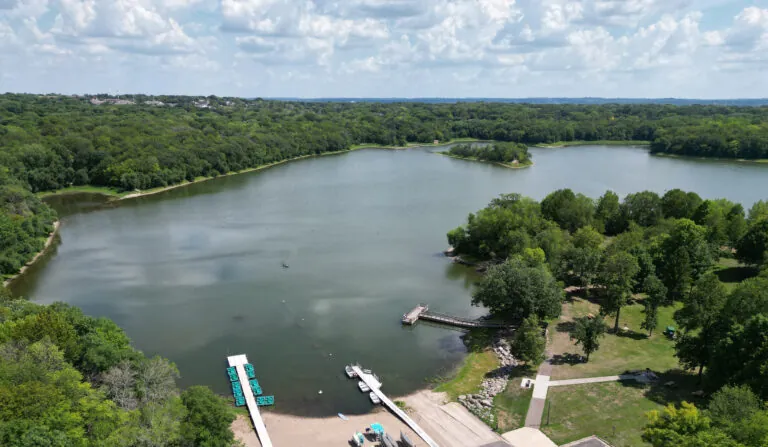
<point x="598" y="380"/>
<point x="542" y="384"/>
<point x="451" y="425"/>
<point x="540" y="387"/>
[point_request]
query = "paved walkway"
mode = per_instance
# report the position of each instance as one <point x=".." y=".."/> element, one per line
<point x="540" y="387"/>
<point x="542" y="384"/>
<point x="637" y="377"/>
<point x="451" y="425"/>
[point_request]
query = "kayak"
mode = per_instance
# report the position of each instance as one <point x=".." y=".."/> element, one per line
<point x="343" y="417"/>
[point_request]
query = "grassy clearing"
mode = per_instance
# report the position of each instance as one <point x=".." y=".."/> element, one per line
<point x="594" y="143"/>
<point x="479" y="361"/>
<point x="613" y="411"/>
<point x="511" y="405"/>
<point x="629" y="350"/>
<point x="731" y="272"/>
<point x="84" y="189"/>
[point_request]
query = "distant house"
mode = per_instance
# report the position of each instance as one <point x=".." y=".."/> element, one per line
<point x="436" y="142"/>
<point x="113" y="101"/>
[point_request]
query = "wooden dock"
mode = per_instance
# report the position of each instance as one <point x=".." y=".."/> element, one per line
<point x="237" y="361"/>
<point x="421" y="312"/>
<point x="375" y="386"/>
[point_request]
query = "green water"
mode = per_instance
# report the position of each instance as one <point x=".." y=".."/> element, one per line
<point x="195" y="273"/>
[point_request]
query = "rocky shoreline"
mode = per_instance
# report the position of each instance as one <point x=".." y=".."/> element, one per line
<point x="481" y="404"/>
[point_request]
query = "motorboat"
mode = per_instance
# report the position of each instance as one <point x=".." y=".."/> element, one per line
<point x="367" y="371"/>
<point x="363" y="386"/>
<point x="374" y="398"/>
<point x="350" y="372"/>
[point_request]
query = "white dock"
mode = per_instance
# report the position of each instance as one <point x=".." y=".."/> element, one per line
<point x="375" y="386"/>
<point x="237" y="361"/>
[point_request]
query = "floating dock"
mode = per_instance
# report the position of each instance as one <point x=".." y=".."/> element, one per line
<point x="375" y="386"/>
<point x="238" y="362"/>
<point x="421" y="312"/>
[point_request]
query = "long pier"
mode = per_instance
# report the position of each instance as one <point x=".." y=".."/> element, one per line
<point x="375" y="387"/>
<point x="238" y="362"/>
<point x="422" y="312"/>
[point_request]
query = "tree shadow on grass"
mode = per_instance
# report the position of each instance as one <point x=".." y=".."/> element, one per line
<point x="565" y="326"/>
<point x="567" y="359"/>
<point x="672" y="387"/>
<point x="632" y="334"/>
<point x="736" y="274"/>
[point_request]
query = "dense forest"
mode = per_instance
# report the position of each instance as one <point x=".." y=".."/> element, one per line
<point x="504" y="153"/>
<point x="53" y="142"/>
<point x="67" y="379"/>
<point x="662" y="251"/>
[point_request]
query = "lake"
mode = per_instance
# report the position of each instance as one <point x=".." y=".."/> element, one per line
<point x="195" y="273"/>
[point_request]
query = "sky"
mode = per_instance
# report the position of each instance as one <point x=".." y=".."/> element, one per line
<point x="387" y="48"/>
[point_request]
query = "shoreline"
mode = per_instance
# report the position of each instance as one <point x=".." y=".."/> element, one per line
<point x="448" y="423"/>
<point x="114" y="195"/>
<point x="695" y="157"/>
<point x="561" y="144"/>
<point x="46" y="246"/>
<point x="498" y="163"/>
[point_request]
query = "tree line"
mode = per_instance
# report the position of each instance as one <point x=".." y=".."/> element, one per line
<point x="53" y="142"/>
<point x="506" y="153"/>
<point x="67" y="379"/>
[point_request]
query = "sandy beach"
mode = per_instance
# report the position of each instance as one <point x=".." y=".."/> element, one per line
<point x="449" y="424"/>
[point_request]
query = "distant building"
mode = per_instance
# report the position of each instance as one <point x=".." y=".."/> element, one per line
<point x="154" y="103"/>
<point x="112" y="101"/>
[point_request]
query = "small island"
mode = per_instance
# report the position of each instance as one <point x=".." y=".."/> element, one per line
<point x="511" y="155"/>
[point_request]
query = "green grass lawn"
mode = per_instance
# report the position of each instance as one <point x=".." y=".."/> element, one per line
<point x="731" y="272"/>
<point x="613" y="411"/>
<point x="479" y="361"/>
<point x="618" y="353"/>
<point x="511" y="405"/>
<point x="84" y="189"/>
<point x="593" y="143"/>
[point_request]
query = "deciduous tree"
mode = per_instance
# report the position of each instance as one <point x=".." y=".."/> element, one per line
<point x="587" y="332"/>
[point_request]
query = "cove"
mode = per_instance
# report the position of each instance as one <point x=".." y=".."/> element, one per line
<point x="195" y="273"/>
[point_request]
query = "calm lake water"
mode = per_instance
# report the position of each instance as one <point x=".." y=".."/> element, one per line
<point x="195" y="273"/>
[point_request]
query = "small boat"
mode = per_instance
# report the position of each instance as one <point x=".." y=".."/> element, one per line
<point x="405" y="440"/>
<point x="343" y="417"/>
<point x="285" y="266"/>
<point x="374" y="398"/>
<point x="363" y="386"/>
<point x="350" y="372"/>
<point x="358" y="439"/>
<point x="367" y="371"/>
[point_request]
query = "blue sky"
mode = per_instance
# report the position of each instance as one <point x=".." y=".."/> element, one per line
<point x="387" y="48"/>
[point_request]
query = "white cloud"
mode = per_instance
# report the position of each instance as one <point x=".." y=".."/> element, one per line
<point x="136" y="26"/>
<point x="402" y="47"/>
